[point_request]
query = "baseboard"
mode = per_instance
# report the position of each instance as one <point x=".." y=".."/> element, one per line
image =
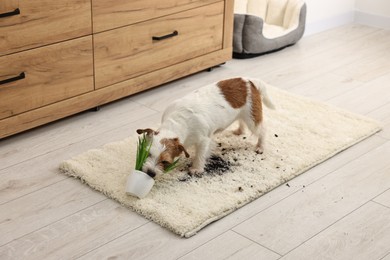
<point x="329" y="23"/>
<point x="372" y="20"/>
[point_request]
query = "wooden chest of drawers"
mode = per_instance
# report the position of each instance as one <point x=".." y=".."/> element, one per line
<point x="59" y="58"/>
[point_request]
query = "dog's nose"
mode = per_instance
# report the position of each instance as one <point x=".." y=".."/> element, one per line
<point x="151" y="173"/>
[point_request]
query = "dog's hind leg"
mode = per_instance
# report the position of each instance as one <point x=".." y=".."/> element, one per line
<point x="260" y="133"/>
<point x="241" y="128"/>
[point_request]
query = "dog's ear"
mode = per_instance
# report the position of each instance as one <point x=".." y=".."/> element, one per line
<point x="174" y="146"/>
<point x="148" y="131"/>
<point x="181" y="148"/>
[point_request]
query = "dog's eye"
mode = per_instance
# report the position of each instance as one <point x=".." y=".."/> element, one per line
<point x="165" y="163"/>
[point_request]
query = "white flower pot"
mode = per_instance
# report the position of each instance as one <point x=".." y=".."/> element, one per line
<point x="139" y="184"/>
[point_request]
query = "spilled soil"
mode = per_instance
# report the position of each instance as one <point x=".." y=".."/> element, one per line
<point x="217" y="165"/>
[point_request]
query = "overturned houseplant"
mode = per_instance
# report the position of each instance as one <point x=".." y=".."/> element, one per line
<point x="139" y="183"/>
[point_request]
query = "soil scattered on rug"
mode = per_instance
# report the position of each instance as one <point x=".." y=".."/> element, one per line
<point x="217" y="165"/>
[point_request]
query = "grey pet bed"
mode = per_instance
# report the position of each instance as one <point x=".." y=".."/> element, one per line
<point x="264" y="26"/>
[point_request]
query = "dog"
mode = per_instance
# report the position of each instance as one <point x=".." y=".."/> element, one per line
<point x="193" y="119"/>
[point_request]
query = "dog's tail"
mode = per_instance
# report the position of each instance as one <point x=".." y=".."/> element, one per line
<point x="261" y="86"/>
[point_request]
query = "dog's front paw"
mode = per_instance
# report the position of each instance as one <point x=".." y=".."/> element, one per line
<point x="196" y="172"/>
<point x="238" y="131"/>
<point x="259" y="150"/>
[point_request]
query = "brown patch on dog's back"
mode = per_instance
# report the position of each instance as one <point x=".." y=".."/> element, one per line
<point x="257" y="108"/>
<point x="234" y="91"/>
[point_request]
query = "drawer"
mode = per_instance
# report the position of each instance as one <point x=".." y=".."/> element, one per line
<point x="38" y="77"/>
<point x="26" y="24"/>
<point x="109" y="14"/>
<point x="131" y="51"/>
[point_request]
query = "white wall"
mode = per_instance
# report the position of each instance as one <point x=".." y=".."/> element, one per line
<point x="373" y="13"/>
<point x="319" y="10"/>
<point x="376" y="7"/>
<point x="326" y="14"/>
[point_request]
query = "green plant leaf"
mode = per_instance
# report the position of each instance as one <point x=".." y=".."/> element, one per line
<point x="172" y="166"/>
<point x="143" y="149"/>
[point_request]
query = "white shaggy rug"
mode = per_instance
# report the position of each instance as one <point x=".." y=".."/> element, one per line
<point x="301" y="133"/>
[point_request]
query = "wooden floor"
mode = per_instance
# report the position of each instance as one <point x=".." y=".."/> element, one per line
<point x="337" y="210"/>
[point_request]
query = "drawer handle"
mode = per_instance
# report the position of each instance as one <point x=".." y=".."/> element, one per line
<point x="159" y="38"/>
<point x="15" y="12"/>
<point x="19" y="77"/>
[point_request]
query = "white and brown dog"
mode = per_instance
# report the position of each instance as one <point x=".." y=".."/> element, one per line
<point x="193" y="119"/>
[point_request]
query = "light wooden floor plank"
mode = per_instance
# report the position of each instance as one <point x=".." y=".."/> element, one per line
<point x="366" y="98"/>
<point x="384" y="199"/>
<point x="75" y="235"/>
<point x="385" y="132"/>
<point x="323" y="90"/>
<point x="368" y="68"/>
<point x="230" y="245"/>
<point x="27" y="214"/>
<point x="364" y="234"/>
<point x="382" y="114"/>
